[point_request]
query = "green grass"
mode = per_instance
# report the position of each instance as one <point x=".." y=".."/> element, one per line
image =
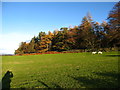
<point x="70" y="70"/>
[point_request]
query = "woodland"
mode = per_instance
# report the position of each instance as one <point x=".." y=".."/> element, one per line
<point x="88" y="36"/>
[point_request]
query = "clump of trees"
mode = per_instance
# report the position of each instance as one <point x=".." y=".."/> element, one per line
<point x="88" y="36"/>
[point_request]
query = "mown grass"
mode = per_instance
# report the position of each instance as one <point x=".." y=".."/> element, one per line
<point x="69" y="70"/>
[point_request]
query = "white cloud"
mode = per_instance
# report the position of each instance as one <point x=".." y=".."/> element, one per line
<point x="10" y="42"/>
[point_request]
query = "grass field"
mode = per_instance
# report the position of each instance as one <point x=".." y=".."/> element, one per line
<point x="69" y="70"/>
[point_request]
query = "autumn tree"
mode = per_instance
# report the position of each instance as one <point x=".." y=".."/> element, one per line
<point x="59" y="41"/>
<point x="89" y="35"/>
<point x="86" y="37"/>
<point x="72" y="36"/>
<point x="23" y="48"/>
<point x="104" y="33"/>
<point x="32" y="45"/>
<point x="114" y="23"/>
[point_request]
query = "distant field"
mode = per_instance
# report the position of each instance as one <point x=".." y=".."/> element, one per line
<point x="69" y="70"/>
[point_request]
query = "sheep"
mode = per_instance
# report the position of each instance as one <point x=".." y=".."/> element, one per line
<point x="99" y="52"/>
<point x="94" y="52"/>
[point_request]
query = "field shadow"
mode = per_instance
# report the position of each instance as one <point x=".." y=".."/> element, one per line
<point x="110" y="80"/>
<point x="109" y="74"/>
<point x="54" y="84"/>
<point x="43" y="84"/>
<point x="6" y="80"/>
<point x="112" y="55"/>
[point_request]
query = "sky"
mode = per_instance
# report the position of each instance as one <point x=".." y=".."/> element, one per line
<point x="60" y="0"/>
<point x="23" y="20"/>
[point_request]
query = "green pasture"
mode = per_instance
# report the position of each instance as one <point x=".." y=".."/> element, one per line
<point x="68" y="70"/>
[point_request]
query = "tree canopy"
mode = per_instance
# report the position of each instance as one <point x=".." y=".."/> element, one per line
<point x="89" y="35"/>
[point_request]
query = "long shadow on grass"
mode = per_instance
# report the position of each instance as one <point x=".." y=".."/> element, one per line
<point x="112" y="55"/>
<point x="55" y="85"/>
<point x="110" y="80"/>
<point x="43" y="84"/>
<point x="6" y="80"/>
<point x="114" y="75"/>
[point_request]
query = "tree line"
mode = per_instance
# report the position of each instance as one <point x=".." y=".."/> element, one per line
<point x="88" y="36"/>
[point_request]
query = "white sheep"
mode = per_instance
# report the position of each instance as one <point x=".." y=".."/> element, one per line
<point x="94" y="52"/>
<point x="99" y="52"/>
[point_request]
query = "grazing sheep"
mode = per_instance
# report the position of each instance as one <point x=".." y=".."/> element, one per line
<point x="99" y="52"/>
<point x="94" y="52"/>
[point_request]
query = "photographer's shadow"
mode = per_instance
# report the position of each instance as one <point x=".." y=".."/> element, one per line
<point x="6" y="80"/>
